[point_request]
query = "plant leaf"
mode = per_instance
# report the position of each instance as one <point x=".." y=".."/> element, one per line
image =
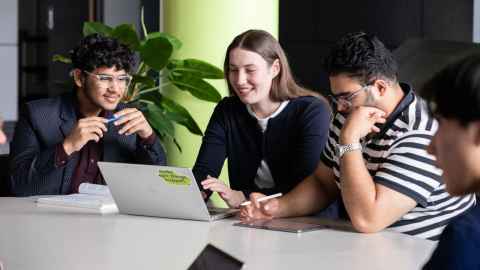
<point x="159" y="121"/>
<point x="174" y="111"/>
<point x="61" y="58"/>
<point x="196" y="67"/>
<point x="177" y="144"/>
<point x="176" y="43"/>
<point x="127" y="34"/>
<point x="161" y="124"/>
<point x="96" y="27"/>
<point x="145" y="81"/>
<point x="156" y="52"/>
<point x="179" y="114"/>
<point x="196" y="86"/>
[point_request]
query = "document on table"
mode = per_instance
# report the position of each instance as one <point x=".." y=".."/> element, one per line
<point x="91" y="197"/>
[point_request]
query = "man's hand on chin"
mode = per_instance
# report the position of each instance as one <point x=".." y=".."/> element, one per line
<point x="361" y="122"/>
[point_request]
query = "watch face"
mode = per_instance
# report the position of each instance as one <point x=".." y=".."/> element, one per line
<point x="338" y="150"/>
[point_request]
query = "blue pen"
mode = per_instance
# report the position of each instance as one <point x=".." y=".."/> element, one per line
<point x="113" y="118"/>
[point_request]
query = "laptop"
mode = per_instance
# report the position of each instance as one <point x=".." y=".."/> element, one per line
<point x="158" y="191"/>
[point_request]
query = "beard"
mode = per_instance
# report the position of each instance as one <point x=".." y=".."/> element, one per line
<point x="370" y="100"/>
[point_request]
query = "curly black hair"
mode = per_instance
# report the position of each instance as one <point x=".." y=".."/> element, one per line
<point x="96" y="51"/>
<point x="361" y="56"/>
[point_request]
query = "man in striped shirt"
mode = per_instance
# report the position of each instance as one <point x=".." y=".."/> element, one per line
<point x="375" y="157"/>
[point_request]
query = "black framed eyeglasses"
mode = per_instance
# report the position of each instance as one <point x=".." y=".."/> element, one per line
<point x="345" y="100"/>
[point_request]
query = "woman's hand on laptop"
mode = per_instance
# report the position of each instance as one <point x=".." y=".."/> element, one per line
<point x="259" y="210"/>
<point x="233" y="198"/>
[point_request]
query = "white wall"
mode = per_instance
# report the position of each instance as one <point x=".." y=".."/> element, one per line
<point x="9" y="59"/>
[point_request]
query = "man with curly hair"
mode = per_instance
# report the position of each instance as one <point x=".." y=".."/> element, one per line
<point x="58" y="141"/>
<point x="375" y="159"/>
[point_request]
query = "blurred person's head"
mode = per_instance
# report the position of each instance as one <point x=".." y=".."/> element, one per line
<point x="101" y="67"/>
<point x="362" y="72"/>
<point x="257" y="70"/>
<point x="453" y="96"/>
<point x="3" y="137"/>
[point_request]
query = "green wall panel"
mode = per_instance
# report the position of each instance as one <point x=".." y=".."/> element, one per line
<point x="206" y="27"/>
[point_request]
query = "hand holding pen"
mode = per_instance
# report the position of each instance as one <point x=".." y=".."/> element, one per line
<point x="260" y="206"/>
<point x="132" y="121"/>
<point x="85" y="130"/>
<point x="262" y="199"/>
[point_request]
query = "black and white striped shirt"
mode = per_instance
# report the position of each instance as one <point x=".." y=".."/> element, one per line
<point x="397" y="158"/>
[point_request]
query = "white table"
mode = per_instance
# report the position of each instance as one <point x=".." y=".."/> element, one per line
<point x="33" y="237"/>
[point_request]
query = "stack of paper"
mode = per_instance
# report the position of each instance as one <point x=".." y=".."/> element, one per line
<point x="91" y="197"/>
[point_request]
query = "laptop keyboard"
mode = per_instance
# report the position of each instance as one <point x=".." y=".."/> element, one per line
<point x="214" y="211"/>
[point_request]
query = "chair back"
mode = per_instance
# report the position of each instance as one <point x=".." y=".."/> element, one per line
<point x="4" y="183"/>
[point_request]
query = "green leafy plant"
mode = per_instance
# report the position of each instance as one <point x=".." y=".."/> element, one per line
<point x="156" y="70"/>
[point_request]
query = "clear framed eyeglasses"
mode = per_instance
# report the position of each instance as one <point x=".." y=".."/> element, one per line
<point x="106" y="80"/>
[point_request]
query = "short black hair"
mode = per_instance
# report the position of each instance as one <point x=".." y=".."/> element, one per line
<point x="454" y="91"/>
<point x="361" y="56"/>
<point x="96" y="51"/>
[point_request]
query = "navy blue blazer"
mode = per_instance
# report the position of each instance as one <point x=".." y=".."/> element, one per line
<point x="45" y="123"/>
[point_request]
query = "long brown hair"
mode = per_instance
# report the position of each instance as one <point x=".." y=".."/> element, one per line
<point x="261" y="42"/>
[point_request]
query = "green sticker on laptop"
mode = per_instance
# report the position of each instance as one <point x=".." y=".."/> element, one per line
<point x="174" y="179"/>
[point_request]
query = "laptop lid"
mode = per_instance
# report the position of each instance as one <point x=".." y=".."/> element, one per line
<point x="150" y="190"/>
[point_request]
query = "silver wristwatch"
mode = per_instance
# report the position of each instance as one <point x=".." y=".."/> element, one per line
<point x="345" y="148"/>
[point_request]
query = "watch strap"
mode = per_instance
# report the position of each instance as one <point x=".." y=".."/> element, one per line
<point x="345" y="148"/>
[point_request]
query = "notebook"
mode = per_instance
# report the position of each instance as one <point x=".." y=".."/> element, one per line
<point x="158" y="191"/>
<point x="90" y="197"/>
